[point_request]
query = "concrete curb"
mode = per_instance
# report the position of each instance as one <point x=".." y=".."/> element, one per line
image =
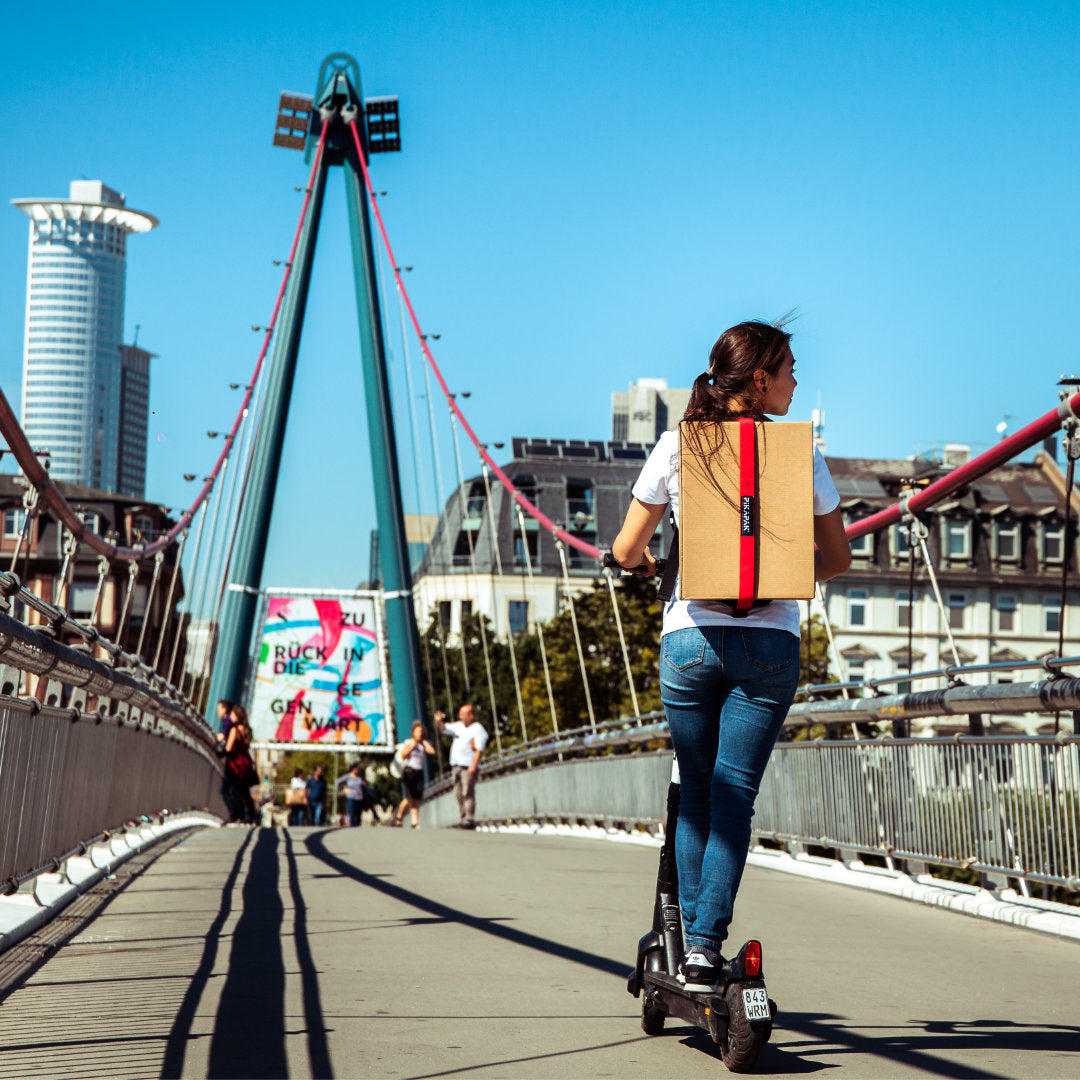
<point x="1058" y="920"/>
<point x="43" y="897"/>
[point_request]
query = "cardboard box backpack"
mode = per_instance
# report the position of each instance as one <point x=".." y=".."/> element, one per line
<point x="746" y="514"/>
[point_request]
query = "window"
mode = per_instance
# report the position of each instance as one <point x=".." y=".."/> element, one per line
<point x="1005" y="605"/>
<point x="13" y="523"/>
<point x="857" y="607"/>
<point x="81" y="599"/>
<point x="898" y="535"/>
<point x="1053" y="543"/>
<point x="476" y="501"/>
<point x="444" y="615"/>
<point x="957" y="539"/>
<point x="956" y="602"/>
<point x="863" y="546"/>
<point x="579" y="504"/>
<point x="519" y="616"/>
<point x="1051" y="614"/>
<point x="532" y="539"/>
<point x="902" y="668"/>
<point x="143" y="525"/>
<point x="1008" y="542"/>
<point x="463" y="549"/>
<point x="903" y="609"/>
<point x="466" y="613"/>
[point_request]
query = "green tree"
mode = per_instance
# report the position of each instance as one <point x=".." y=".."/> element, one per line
<point x="452" y="680"/>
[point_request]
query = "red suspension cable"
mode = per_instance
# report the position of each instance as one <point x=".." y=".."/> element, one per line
<point x="505" y="480"/>
<point x="38" y="476"/>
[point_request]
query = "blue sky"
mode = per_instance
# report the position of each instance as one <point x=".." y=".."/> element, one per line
<point x="589" y="193"/>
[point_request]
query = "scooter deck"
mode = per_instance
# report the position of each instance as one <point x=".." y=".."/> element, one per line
<point x="708" y="1011"/>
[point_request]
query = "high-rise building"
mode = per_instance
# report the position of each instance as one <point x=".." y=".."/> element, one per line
<point x="648" y="409"/>
<point x="74" y="362"/>
<point x="134" y="420"/>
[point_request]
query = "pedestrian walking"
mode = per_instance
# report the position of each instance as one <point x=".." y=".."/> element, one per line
<point x="412" y="753"/>
<point x="296" y="798"/>
<point x="316" y="796"/>
<point x="470" y="738"/>
<point x="356" y="794"/>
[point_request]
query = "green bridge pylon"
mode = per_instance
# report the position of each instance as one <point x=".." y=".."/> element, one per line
<point x="337" y="99"/>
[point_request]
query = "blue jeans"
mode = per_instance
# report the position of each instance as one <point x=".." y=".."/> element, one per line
<point x="316" y="812"/>
<point x="353" y="808"/>
<point x="726" y="691"/>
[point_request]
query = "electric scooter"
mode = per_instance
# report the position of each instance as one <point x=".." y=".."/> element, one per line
<point x="739" y="1014"/>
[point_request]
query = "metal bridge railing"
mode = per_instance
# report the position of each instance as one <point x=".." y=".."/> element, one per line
<point x="87" y="746"/>
<point x="1008" y="806"/>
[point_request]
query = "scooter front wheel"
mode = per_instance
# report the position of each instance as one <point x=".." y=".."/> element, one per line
<point x="744" y="1038"/>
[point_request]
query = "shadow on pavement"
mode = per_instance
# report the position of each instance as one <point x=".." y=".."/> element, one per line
<point x="316" y="845"/>
<point x="318" y="1051"/>
<point x="249" y="1029"/>
<point x="918" y="1045"/>
<point x="176" y="1044"/>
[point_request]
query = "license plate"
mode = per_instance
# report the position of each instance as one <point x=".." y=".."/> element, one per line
<point x="756" y="1004"/>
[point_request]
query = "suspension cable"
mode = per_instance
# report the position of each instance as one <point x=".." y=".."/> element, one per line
<point x="472" y="563"/>
<point x="249" y="437"/>
<point x="103" y="570"/>
<point x="133" y="573"/>
<point x="159" y="558"/>
<point x="169" y="598"/>
<point x="198" y="593"/>
<point x="917" y="531"/>
<point x="819" y="595"/>
<point x="190" y="597"/>
<point x="622" y="638"/>
<point x="30" y="510"/>
<point x="60" y="585"/>
<point x="499" y="571"/>
<point x="414" y="427"/>
<point x="548" y="524"/>
<point x="204" y="608"/>
<point x="577" y="634"/>
<point x="539" y="624"/>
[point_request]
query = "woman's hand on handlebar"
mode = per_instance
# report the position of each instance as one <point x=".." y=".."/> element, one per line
<point x="631" y="547"/>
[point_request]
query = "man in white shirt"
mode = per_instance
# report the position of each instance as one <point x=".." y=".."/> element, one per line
<point x="470" y="738"/>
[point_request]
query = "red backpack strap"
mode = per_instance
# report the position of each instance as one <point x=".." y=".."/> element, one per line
<point x="748" y="491"/>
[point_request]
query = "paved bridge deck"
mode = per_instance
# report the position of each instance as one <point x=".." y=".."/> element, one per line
<point x="393" y="953"/>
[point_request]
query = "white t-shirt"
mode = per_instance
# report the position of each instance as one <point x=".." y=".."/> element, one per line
<point x="468" y="738"/>
<point x="659" y="483"/>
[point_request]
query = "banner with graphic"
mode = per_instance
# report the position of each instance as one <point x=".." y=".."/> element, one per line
<point x="318" y="674"/>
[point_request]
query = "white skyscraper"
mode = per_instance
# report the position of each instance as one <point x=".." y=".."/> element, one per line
<point x="73" y="364"/>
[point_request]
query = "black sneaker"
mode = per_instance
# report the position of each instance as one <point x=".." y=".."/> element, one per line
<point x="699" y="969"/>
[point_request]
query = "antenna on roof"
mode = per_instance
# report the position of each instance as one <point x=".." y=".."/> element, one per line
<point x="817" y="418"/>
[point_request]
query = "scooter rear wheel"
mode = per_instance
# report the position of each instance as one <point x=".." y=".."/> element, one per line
<point x="744" y="1039"/>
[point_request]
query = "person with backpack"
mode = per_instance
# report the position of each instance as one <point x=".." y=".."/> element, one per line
<point x="727" y="676"/>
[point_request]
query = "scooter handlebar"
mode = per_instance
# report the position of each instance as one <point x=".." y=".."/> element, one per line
<point x="639" y="570"/>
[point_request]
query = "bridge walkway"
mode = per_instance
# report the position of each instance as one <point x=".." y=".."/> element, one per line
<point x="392" y="953"/>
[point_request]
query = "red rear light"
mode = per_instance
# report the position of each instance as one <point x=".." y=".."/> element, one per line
<point x="752" y="959"/>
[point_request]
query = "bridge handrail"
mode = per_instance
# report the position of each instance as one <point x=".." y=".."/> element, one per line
<point x="87" y="744"/>
<point x="952" y="672"/>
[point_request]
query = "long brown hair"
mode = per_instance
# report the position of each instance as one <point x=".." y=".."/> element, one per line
<point x="727" y="391"/>
<point x="240" y="720"/>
